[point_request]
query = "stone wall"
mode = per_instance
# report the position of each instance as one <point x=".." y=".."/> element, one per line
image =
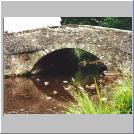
<point x="23" y="49"/>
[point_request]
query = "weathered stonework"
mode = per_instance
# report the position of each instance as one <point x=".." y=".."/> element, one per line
<point x="23" y="49"/>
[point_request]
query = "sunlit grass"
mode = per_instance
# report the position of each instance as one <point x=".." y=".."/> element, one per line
<point x="120" y="101"/>
<point x="122" y="97"/>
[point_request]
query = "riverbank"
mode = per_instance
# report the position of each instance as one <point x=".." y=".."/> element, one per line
<point x="115" y="98"/>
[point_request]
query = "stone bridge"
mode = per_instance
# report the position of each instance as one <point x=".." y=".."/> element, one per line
<point x="23" y="49"/>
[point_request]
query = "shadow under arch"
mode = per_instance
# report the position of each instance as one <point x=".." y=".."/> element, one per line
<point x="68" y="60"/>
<point x="59" y="67"/>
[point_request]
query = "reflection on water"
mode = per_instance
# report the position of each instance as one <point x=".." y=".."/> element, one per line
<point x="40" y="94"/>
<point x="46" y="91"/>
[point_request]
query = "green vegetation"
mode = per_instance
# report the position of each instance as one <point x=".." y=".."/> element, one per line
<point x="83" y="55"/>
<point x="112" y="22"/>
<point x="119" y="102"/>
<point x="122" y="97"/>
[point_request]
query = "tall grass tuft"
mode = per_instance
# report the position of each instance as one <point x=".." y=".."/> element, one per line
<point x="120" y="102"/>
<point x="122" y="97"/>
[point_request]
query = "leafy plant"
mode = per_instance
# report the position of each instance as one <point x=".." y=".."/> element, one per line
<point x="120" y="103"/>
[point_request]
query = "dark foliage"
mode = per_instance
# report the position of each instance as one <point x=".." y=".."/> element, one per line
<point x="112" y="22"/>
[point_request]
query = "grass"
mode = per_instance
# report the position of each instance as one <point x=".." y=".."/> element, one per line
<point x="122" y="97"/>
<point x="120" y="101"/>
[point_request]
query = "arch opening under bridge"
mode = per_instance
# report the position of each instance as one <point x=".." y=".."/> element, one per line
<point x="69" y="60"/>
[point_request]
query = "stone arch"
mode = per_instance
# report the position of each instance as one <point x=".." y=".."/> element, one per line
<point x="61" y="50"/>
<point x="90" y="47"/>
<point x="23" y="50"/>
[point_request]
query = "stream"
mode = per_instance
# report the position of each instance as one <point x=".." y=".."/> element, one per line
<point x="40" y="94"/>
<point x="46" y="90"/>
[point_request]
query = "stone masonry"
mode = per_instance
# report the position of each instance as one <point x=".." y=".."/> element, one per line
<point x="23" y="49"/>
